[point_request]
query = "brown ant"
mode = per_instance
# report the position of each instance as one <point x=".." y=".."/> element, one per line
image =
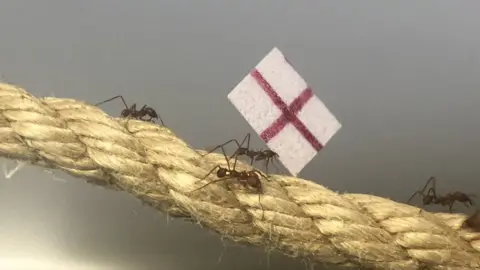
<point x="249" y="179"/>
<point x="448" y="199"/>
<point x="268" y="155"/>
<point x="134" y="113"/>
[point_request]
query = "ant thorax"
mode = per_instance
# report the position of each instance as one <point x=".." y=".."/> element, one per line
<point x="125" y="113"/>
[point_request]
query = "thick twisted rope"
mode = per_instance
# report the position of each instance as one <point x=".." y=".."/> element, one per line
<point x="295" y="216"/>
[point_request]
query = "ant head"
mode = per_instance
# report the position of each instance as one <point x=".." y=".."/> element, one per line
<point x="126" y="113"/>
<point x="428" y="199"/>
<point x="222" y="172"/>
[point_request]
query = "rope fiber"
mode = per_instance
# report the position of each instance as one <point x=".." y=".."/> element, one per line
<point x="295" y="216"/>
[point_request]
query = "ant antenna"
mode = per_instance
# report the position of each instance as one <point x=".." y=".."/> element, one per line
<point x="110" y="99"/>
<point x="431" y="179"/>
<point x="222" y="145"/>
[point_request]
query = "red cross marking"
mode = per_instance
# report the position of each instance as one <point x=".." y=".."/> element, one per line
<point x="289" y="113"/>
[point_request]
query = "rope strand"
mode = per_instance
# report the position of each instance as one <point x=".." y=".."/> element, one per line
<point x="297" y="217"/>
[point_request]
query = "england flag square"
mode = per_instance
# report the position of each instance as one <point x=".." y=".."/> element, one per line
<point x="284" y="111"/>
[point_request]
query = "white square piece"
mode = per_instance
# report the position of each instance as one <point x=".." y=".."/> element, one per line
<point x="284" y="111"/>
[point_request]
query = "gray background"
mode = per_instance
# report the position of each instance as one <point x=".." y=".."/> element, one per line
<point x="401" y="76"/>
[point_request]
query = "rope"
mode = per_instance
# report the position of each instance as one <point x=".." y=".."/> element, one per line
<point x="295" y="216"/>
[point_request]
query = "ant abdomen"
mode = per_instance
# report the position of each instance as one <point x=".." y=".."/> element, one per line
<point x="254" y="182"/>
<point x="151" y="112"/>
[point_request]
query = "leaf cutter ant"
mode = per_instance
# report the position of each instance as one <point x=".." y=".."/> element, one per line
<point x="134" y="113"/>
<point x="268" y="155"/>
<point x="249" y="179"/>
<point x="449" y="199"/>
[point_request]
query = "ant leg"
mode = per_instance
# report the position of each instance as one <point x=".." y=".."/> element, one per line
<point x="261" y="205"/>
<point x="134" y="113"/>
<point x="235" y="163"/>
<point x="431" y="192"/>
<point x="128" y="119"/>
<point x="210" y="172"/>
<point x="273" y="161"/>
<point x="227" y="160"/>
<point x="235" y="154"/>
<point x="247" y="137"/>
<point x="239" y="145"/>
<point x="211" y="182"/>
<point x="450" y="206"/>
<point x="161" y="121"/>
<point x="110" y="99"/>
<point x="270" y="160"/>
<point x="433" y="188"/>
<point x="418" y="192"/>
<point x="259" y="199"/>
<point x="139" y="112"/>
<point x="221" y="145"/>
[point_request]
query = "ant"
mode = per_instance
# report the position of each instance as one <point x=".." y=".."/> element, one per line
<point x="268" y="155"/>
<point x="448" y="199"/>
<point x="134" y="113"/>
<point x="249" y="179"/>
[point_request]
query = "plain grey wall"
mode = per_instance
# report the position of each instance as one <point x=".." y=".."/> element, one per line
<point x="401" y="76"/>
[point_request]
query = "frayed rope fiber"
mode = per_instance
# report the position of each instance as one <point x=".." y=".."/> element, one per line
<point x="301" y="218"/>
